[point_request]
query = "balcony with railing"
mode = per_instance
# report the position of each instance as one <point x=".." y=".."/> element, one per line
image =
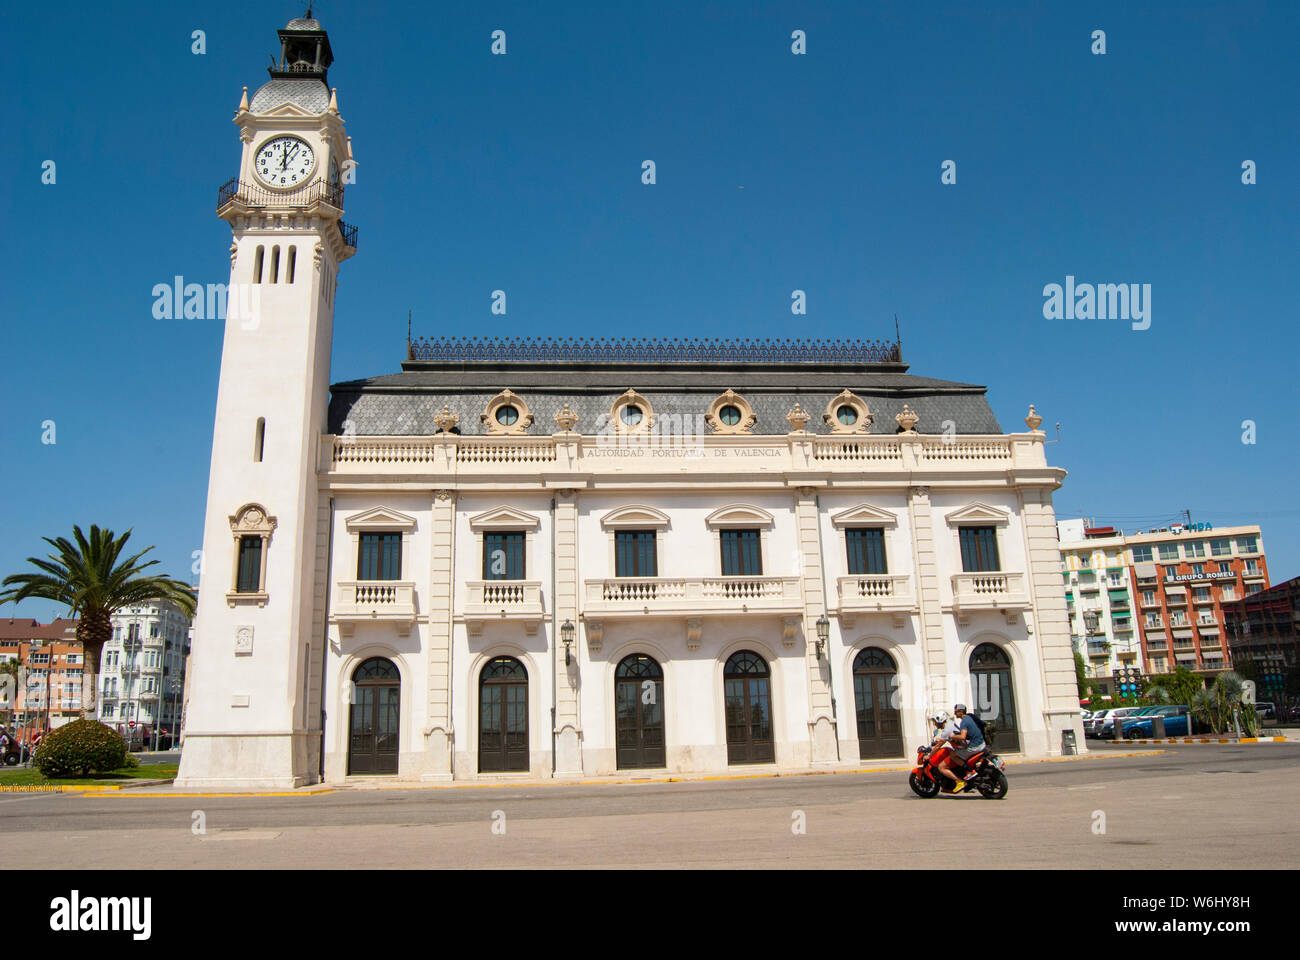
<point x="374" y="601"/>
<point x="690" y="596"/>
<point x="875" y="593"/>
<point x="992" y="590"/>
<point x="503" y="600"/>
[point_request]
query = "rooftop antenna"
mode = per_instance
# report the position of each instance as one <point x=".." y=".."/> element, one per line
<point x="1058" y="434"/>
<point x="408" y="332"/>
<point x="898" y="340"/>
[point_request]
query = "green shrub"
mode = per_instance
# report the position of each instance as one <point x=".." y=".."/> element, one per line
<point x="79" y="748"/>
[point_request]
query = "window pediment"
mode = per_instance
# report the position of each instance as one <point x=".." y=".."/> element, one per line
<point x="504" y="518"/>
<point x="864" y="515"/>
<point x="252" y="518"/>
<point x="634" y="516"/>
<point x="739" y="515"/>
<point x="978" y="513"/>
<point x="380" y="518"/>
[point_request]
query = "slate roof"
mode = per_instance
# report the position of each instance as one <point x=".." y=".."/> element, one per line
<point x="404" y="404"/>
<point x="310" y="94"/>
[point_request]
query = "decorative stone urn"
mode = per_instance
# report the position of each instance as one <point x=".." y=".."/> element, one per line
<point x="798" y="419"/>
<point x="566" y="419"/>
<point x="445" y="420"/>
<point x="1033" y="421"/>
<point x="907" y="419"/>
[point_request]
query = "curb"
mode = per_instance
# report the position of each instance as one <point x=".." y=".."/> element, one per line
<point x="621" y="781"/>
<point x="59" y="788"/>
<point x="1200" y="740"/>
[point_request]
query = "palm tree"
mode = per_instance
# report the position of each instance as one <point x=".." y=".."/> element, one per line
<point x="87" y="577"/>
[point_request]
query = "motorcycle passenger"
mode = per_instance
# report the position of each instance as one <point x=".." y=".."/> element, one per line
<point x="944" y="727"/>
<point x="965" y="743"/>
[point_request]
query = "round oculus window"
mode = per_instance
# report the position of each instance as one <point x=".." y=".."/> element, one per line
<point x="630" y="414"/>
<point x="730" y="415"/>
<point x="507" y="415"/>
<point x="846" y="415"/>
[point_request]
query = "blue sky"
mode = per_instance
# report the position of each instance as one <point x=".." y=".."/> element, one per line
<point x="522" y="172"/>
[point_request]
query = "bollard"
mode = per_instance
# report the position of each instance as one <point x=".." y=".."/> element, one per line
<point x="1157" y="728"/>
<point x="1117" y="731"/>
<point x="1068" y="743"/>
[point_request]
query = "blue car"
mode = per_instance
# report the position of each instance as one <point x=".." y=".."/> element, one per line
<point x="1177" y="719"/>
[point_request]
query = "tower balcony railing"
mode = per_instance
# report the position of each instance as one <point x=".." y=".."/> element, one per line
<point x="255" y="195"/>
<point x="349" y="234"/>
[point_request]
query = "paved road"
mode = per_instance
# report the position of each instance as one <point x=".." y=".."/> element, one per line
<point x="1196" y="807"/>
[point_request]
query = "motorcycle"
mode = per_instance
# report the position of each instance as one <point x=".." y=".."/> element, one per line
<point x="981" y="771"/>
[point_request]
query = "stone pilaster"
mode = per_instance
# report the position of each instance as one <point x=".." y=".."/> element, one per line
<point x="440" y="736"/>
<point x="1051" y="626"/>
<point x="929" y="595"/>
<point x="568" y="722"/>
<point x="821" y="712"/>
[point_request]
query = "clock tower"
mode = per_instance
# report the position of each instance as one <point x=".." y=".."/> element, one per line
<point x="253" y="714"/>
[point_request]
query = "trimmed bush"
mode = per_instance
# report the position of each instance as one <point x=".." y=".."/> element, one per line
<point x="80" y="748"/>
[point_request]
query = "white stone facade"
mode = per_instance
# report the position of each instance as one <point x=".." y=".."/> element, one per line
<point x="292" y="645"/>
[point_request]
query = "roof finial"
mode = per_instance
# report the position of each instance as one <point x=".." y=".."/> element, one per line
<point x="408" y="330"/>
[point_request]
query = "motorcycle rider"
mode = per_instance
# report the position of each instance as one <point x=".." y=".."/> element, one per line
<point x="965" y="742"/>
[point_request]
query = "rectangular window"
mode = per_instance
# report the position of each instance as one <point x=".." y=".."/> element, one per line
<point x="1169" y="551"/>
<point x="1148" y="596"/>
<point x="1221" y="548"/>
<point x="979" y="549"/>
<point x="741" y="554"/>
<point x="1198" y="569"/>
<point x="250" y="566"/>
<point x="380" y="556"/>
<point x="1252" y="566"/>
<point x="866" y="546"/>
<point x="635" y="553"/>
<point x="1195" y="548"/>
<point x="503" y="555"/>
<point x="1143" y="555"/>
<point x="1229" y="592"/>
<point x="1247" y="545"/>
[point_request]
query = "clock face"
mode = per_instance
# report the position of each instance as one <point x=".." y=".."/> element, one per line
<point x="284" y="162"/>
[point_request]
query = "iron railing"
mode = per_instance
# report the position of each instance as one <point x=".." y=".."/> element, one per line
<point x="653" y="350"/>
<point x="255" y="195"/>
<point x="348" y="233"/>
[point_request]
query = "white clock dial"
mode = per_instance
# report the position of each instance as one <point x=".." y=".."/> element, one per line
<point x="284" y="162"/>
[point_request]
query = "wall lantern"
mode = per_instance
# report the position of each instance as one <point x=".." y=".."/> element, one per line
<point x="566" y="635"/>
<point x="823" y="633"/>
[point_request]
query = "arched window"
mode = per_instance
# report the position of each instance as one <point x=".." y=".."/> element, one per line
<point x="275" y="264"/>
<point x="293" y="260"/>
<point x="259" y="438"/>
<point x="639" y="713"/>
<point x="503" y="716"/>
<point x="875" y="695"/>
<point x="992" y="695"/>
<point x="257" y="264"/>
<point x="374" y="718"/>
<point x="748" y="705"/>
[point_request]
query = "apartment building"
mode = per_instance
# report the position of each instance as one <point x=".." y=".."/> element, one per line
<point x="1263" y="632"/>
<point x="142" y="668"/>
<point x="47" y="693"/>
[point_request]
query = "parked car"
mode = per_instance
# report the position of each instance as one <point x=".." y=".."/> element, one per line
<point x="1266" y="710"/>
<point x="1177" y="719"/>
<point x="1104" y="726"/>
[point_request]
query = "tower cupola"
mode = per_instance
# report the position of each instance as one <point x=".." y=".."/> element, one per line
<point x="305" y="52"/>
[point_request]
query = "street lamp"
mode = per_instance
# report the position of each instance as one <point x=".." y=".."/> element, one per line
<point x="823" y="633"/>
<point x="566" y="636"/>
<point x="174" y="684"/>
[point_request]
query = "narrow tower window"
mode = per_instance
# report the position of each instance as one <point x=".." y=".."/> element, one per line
<point x="259" y="438"/>
<point x="275" y="264"/>
<point x="288" y="270"/>
<point x="257" y="264"/>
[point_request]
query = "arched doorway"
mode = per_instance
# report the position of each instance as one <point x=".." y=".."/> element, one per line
<point x="747" y="692"/>
<point x="992" y="697"/>
<point x="503" y="716"/>
<point x="639" y="713"/>
<point x="373" y="721"/>
<point x="880" y="725"/>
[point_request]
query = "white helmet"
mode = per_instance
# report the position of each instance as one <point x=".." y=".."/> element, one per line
<point x="940" y="718"/>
